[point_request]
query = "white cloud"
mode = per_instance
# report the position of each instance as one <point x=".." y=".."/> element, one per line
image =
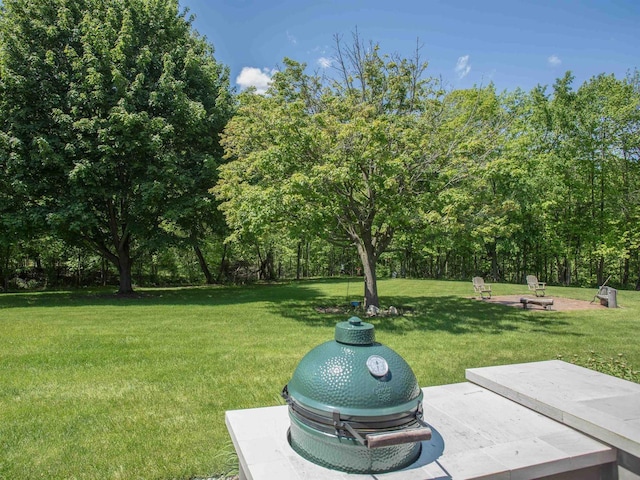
<point x="554" y="60"/>
<point x="322" y="50"/>
<point x="324" y="62"/>
<point x="293" y="40"/>
<point x="462" y="67"/>
<point x="254" y="77"/>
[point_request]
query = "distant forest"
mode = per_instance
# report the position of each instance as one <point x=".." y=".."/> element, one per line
<point x="127" y="159"/>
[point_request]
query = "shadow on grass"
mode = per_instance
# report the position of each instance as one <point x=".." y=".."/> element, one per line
<point x="451" y="314"/>
<point x="199" y="295"/>
<point x="298" y="301"/>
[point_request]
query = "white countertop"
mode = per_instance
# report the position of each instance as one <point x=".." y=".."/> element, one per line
<point x="600" y="405"/>
<point x="476" y="434"/>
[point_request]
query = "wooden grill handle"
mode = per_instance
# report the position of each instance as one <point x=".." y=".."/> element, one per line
<point x="377" y="440"/>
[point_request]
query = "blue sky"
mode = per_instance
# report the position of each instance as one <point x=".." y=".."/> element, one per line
<point x="510" y="43"/>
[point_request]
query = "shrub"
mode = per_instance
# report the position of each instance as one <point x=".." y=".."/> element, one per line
<point x="616" y="366"/>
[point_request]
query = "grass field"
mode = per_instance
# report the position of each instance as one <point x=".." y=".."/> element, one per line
<point x="93" y="386"/>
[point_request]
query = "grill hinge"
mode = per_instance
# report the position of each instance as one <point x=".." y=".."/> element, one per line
<point x="339" y="425"/>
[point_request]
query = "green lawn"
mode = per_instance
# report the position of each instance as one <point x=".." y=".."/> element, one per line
<point x="93" y="386"/>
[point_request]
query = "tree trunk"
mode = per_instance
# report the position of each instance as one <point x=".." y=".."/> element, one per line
<point x="492" y="252"/>
<point x="124" y="268"/>
<point x="600" y="270"/>
<point x="203" y="262"/>
<point x="222" y="263"/>
<point x="638" y="277"/>
<point x="267" y="269"/>
<point x="564" y="271"/>
<point x="103" y="272"/>
<point x="4" y="271"/>
<point x="121" y="241"/>
<point x="368" y="259"/>
<point x="124" y="262"/>
<point x="79" y="272"/>
<point x="626" y="271"/>
<point x="331" y="265"/>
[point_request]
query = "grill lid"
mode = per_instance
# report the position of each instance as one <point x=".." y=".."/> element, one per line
<point x="356" y="376"/>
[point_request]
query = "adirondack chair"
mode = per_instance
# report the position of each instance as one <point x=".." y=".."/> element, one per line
<point x="536" y="286"/>
<point x="608" y="296"/>
<point x="484" y="289"/>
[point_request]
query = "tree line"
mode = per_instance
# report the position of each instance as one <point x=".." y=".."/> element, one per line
<point x="126" y="156"/>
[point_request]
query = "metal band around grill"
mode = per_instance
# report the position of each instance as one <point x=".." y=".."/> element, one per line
<point x="381" y="422"/>
<point x="378" y="431"/>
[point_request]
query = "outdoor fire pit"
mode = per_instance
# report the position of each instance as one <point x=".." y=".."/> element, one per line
<point x="355" y="405"/>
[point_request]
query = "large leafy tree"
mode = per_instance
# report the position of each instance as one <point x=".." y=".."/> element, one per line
<point x="565" y="194"/>
<point x="629" y="166"/>
<point x="585" y="144"/>
<point x="354" y="158"/>
<point x="476" y="215"/>
<point x="12" y="216"/>
<point x="607" y="132"/>
<point x="110" y="117"/>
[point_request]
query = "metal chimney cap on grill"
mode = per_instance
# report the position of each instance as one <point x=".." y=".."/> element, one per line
<point x="355" y="332"/>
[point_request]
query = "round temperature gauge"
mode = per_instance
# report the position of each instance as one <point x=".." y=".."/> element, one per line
<point x="378" y="366"/>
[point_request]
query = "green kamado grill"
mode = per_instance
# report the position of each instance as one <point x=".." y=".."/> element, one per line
<point x="355" y="405"/>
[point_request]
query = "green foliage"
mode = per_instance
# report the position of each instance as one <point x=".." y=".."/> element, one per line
<point x="110" y="113"/>
<point x="354" y="159"/>
<point x="586" y="143"/>
<point x="534" y="182"/>
<point x="616" y="366"/>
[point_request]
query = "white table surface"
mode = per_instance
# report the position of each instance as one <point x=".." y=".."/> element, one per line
<point x="476" y="434"/>
<point x="600" y="405"/>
